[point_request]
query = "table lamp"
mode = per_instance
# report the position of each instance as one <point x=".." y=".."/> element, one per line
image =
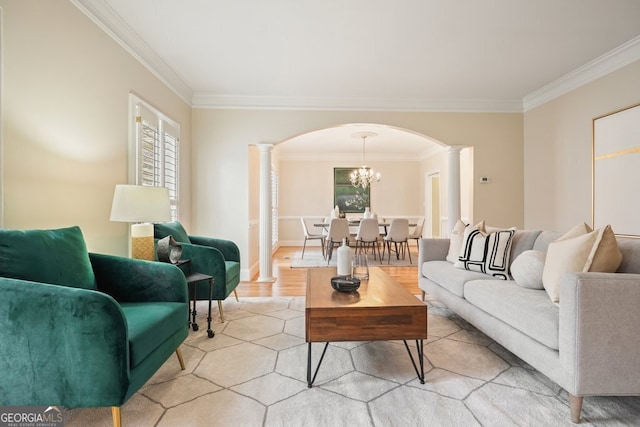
<point x="141" y="205"/>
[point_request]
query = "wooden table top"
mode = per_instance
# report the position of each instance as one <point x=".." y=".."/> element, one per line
<point x="381" y="309"/>
<point x="379" y="291"/>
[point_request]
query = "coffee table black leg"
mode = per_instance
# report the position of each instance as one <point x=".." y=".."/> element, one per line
<point x="420" y="351"/>
<point x="309" y="379"/>
<point x="210" y="332"/>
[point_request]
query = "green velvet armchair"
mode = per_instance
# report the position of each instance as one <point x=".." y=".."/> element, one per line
<point x="81" y="329"/>
<point x="216" y="257"/>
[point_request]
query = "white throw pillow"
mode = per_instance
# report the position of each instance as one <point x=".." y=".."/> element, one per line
<point x="456" y="237"/>
<point x="486" y="253"/>
<point x="527" y="269"/>
<point x="580" y="249"/>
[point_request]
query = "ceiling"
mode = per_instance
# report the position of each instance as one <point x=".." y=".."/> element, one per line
<point x="403" y="55"/>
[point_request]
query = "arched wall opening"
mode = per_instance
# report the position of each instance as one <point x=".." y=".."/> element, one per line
<point x="304" y="164"/>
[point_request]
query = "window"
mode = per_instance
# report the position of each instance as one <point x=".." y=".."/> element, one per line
<point x="155" y="159"/>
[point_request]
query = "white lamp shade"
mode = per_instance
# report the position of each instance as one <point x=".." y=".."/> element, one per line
<point x="140" y="203"/>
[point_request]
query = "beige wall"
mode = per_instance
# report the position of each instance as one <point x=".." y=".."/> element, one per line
<point x="557" y="149"/>
<point x="221" y="175"/>
<point x="65" y="94"/>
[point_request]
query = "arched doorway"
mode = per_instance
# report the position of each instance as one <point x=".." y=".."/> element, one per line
<point x="305" y="165"/>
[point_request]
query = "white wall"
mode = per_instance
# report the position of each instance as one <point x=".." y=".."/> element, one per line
<point x="557" y="149"/>
<point x="65" y="94"/>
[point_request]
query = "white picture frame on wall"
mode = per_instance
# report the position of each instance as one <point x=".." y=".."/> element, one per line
<point x="616" y="171"/>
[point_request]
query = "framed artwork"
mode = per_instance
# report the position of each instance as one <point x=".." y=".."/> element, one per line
<point x="616" y="171"/>
<point x="348" y="198"/>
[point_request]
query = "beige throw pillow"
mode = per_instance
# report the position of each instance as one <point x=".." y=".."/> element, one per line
<point x="456" y="238"/>
<point x="580" y="249"/>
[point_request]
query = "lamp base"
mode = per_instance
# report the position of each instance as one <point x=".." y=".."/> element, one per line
<point x="142" y="246"/>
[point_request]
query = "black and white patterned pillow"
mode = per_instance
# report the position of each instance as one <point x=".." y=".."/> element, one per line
<point x="487" y="253"/>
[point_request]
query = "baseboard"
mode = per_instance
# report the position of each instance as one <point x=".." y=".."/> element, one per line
<point x="247" y="273"/>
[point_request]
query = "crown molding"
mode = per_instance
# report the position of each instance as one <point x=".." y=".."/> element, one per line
<point x="611" y="61"/>
<point x="215" y="101"/>
<point x="111" y="23"/>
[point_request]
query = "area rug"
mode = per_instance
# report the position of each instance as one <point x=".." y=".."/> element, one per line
<point x="253" y="373"/>
<point x="315" y="259"/>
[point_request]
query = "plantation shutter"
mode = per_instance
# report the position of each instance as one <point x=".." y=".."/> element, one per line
<point x="157" y="162"/>
<point x="169" y="171"/>
<point x="148" y="154"/>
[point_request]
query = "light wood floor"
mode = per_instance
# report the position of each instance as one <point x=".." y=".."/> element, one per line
<point x="292" y="281"/>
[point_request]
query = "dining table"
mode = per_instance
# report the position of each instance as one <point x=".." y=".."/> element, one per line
<point x="356" y="222"/>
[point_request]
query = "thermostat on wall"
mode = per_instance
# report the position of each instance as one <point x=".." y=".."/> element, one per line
<point x="484" y="180"/>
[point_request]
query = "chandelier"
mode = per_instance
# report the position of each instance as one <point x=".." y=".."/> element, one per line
<point x="364" y="176"/>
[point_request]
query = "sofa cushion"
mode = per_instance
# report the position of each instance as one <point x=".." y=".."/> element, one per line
<point x="527" y="269"/>
<point x="455" y="241"/>
<point x="174" y="229"/>
<point x="580" y="249"/>
<point x="149" y="324"/>
<point x="456" y="238"/>
<point x="545" y="238"/>
<point x="528" y="310"/>
<point x="630" y="249"/>
<point x="486" y="253"/>
<point x="523" y="240"/>
<point x="57" y="256"/>
<point x="446" y="275"/>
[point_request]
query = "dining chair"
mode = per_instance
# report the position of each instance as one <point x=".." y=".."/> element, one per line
<point x="368" y="235"/>
<point x="338" y="231"/>
<point x="310" y="236"/>
<point x="398" y="234"/>
<point x="417" y="232"/>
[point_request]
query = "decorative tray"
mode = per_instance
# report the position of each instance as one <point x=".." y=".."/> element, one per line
<point x="345" y="284"/>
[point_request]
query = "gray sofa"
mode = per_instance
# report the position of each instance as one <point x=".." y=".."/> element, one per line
<point x="589" y="343"/>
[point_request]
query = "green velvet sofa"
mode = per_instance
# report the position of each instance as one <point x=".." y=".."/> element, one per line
<point x="81" y="329"/>
<point x="216" y="257"/>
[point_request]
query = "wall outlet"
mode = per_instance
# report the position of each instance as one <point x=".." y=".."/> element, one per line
<point x="484" y="180"/>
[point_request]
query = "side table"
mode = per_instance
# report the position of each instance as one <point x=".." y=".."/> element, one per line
<point x="192" y="280"/>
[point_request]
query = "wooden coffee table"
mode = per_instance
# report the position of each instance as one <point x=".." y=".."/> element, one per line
<point x="381" y="309"/>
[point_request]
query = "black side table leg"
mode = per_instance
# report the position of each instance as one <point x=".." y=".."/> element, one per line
<point x="210" y="332"/>
<point x="194" y="325"/>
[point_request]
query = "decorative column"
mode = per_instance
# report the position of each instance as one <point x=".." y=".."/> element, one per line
<point x="266" y="261"/>
<point x="453" y="191"/>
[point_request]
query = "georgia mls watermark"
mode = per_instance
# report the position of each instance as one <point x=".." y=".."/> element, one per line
<point x="31" y="416"/>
